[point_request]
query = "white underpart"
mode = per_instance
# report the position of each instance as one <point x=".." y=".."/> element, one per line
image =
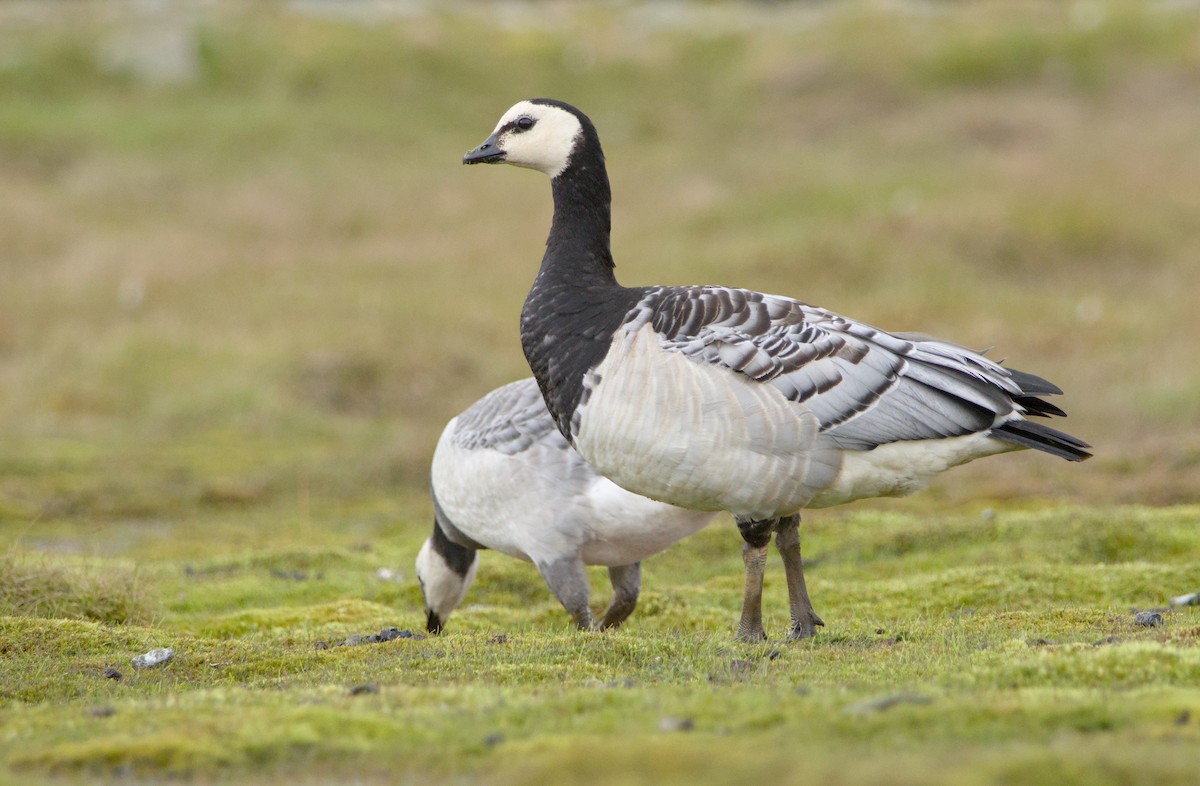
<point x="544" y="504"/>
<point x="443" y="589"/>
<point x="547" y="146"/>
<point x="902" y="468"/>
<point x="703" y="437"/>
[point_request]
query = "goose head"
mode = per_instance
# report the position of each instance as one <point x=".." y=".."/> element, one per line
<point x="442" y="587"/>
<point x="539" y="134"/>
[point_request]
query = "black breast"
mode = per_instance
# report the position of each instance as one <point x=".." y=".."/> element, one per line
<point x="566" y="331"/>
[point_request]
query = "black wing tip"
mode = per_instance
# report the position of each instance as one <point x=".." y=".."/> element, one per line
<point x="1043" y="438"/>
<point x="1033" y="385"/>
<point x="1037" y="407"/>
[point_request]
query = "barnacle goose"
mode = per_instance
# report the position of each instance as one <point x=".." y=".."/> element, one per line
<point x="715" y="398"/>
<point x="504" y="478"/>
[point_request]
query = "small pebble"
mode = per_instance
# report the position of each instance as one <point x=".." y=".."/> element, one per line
<point x="387" y="574"/>
<point x="886" y="703"/>
<point x="388" y="634"/>
<point x="153" y="658"/>
<point x="1148" y="619"/>
<point x="676" y="724"/>
<point x="112" y="674"/>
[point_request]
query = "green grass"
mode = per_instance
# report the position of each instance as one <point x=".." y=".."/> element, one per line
<point x="237" y="309"/>
<point x="1010" y="641"/>
<point x="104" y="593"/>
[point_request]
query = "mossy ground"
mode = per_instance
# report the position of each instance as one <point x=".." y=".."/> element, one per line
<point x="969" y="650"/>
<point x="237" y="308"/>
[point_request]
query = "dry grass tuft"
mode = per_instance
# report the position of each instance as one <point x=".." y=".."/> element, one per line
<point x="33" y="587"/>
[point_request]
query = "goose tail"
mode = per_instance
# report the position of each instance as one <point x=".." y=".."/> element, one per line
<point x="1040" y="437"/>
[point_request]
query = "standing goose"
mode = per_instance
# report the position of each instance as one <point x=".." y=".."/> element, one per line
<point x="504" y="478"/>
<point x="715" y="398"/>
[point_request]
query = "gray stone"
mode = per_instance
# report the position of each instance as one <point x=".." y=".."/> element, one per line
<point x="1148" y="619"/>
<point x="149" y="660"/>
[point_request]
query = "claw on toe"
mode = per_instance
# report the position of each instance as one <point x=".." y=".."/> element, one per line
<point x="806" y="629"/>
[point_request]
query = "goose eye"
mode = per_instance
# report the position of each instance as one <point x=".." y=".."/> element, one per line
<point x="525" y="123"/>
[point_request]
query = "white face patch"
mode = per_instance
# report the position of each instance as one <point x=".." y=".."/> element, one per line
<point x="442" y="588"/>
<point x="546" y="146"/>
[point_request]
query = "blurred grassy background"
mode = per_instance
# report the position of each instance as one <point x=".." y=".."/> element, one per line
<point x="244" y="280"/>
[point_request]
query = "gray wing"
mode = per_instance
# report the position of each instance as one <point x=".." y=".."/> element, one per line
<point x="867" y="387"/>
<point x="510" y="419"/>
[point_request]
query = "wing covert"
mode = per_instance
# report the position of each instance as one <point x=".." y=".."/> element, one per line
<point x="866" y="386"/>
<point x="510" y="419"/>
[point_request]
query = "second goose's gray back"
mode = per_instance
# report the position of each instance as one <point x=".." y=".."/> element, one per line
<point x="510" y="419"/>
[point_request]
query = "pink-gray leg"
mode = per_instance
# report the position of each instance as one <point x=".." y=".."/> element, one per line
<point x="804" y="620"/>
<point x="626" y="582"/>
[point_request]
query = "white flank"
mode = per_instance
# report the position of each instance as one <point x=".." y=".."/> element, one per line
<point x="699" y="436"/>
<point x="626" y="527"/>
<point x="545" y="503"/>
<point x="703" y="437"/>
<point x="902" y="468"/>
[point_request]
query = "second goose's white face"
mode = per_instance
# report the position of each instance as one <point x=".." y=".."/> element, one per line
<point x="442" y="588"/>
<point x="535" y="136"/>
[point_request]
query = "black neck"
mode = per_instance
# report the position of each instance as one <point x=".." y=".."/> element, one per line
<point x="578" y="246"/>
<point x="576" y="305"/>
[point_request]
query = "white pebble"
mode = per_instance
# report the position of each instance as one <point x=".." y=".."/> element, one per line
<point x="153" y="658"/>
<point x="387" y="574"/>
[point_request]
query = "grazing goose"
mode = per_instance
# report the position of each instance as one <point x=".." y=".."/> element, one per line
<point x="504" y="478"/>
<point x="714" y="398"/>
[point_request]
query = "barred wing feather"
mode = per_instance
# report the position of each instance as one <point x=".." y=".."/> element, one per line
<point x="867" y="387"/>
<point x="510" y="419"/>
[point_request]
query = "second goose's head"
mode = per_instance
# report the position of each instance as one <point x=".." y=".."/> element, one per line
<point x="540" y="134"/>
<point x="443" y="584"/>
